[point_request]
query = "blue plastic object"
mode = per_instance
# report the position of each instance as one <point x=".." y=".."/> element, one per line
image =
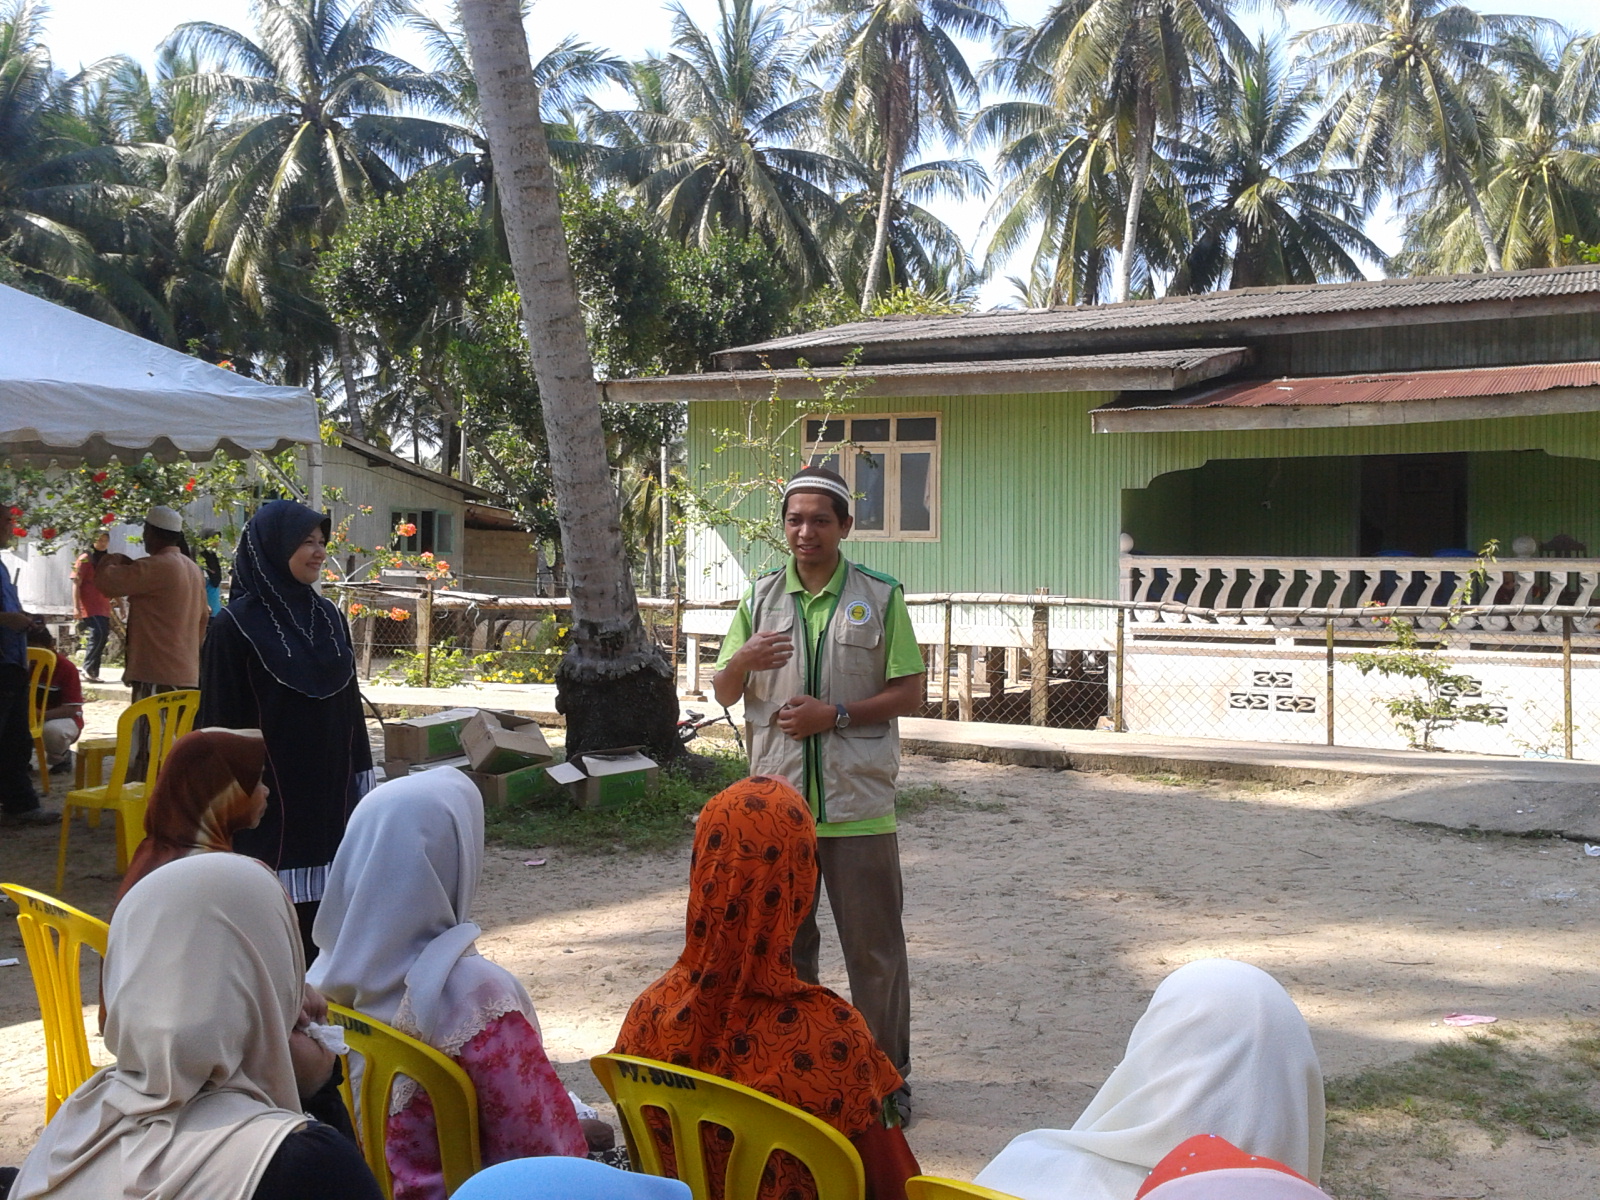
<point x="558" y="1178"/>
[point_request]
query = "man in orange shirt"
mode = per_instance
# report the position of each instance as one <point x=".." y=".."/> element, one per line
<point x="167" y="611"/>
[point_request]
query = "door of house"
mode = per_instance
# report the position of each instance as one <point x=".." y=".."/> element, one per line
<point x="1413" y="504"/>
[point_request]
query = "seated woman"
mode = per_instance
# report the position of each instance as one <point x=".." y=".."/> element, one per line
<point x="203" y="986"/>
<point x="733" y="1005"/>
<point x="396" y="942"/>
<point x="1221" y="1050"/>
<point x="209" y="788"/>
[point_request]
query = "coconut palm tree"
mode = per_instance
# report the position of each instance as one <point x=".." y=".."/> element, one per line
<point x="1061" y="183"/>
<point x="315" y="127"/>
<point x="1541" y="183"/>
<point x="613" y="686"/>
<point x="1266" y="206"/>
<point x="1144" y="54"/>
<point x="714" y="142"/>
<point x="64" y="190"/>
<point x="1409" y="78"/>
<point x="898" y="75"/>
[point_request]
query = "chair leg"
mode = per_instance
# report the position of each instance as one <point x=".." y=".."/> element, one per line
<point x="61" y="856"/>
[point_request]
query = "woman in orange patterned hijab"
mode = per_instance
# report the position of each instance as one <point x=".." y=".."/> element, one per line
<point x="733" y="1006"/>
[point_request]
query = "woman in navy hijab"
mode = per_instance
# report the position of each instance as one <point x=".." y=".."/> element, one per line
<point x="278" y="658"/>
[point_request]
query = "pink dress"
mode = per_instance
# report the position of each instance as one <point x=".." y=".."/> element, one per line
<point x="523" y="1110"/>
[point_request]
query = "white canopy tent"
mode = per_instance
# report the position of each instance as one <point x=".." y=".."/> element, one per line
<point x="73" y="389"/>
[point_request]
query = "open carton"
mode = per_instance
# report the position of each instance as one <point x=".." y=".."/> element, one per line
<point x="499" y="742"/>
<point x="607" y="778"/>
<point x="426" y="738"/>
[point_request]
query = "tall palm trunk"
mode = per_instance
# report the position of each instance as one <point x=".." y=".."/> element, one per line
<point x="1480" y="219"/>
<point x="352" y="397"/>
<point x="880" y="240"/>
<point x="613" y="686"/>
<point x="1144" y="137"/>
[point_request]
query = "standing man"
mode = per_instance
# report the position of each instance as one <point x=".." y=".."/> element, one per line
<point x="824" y="657"/>
<point x="167" y="613"/>
<point x="93" y="609"/>
<point x="19" y="803"/>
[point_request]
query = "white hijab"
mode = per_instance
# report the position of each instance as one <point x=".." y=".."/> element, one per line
<point x="1222" y="1049"/>
<point x="394" y="936"/>
<point x="202" y="987"/>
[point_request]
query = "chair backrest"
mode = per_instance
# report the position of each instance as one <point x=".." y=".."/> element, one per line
<point x="41" y="674"/>
<point x="170" y="716"/>
<point x="386" y="1052"/>
<point x="52" y="933"/>
<point x="557" y="1177"/>
<point x="760" y="1125"/>
<point x="936" y="1187"/>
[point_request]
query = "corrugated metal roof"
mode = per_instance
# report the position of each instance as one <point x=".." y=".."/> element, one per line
<point x="1386" y="388"/>
<point x="1388" y="397"/>
<point x="882" y="338"/>
<point x="1147" y="370"/>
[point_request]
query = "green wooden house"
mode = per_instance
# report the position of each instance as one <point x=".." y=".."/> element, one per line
<point x="1208" y="446"/>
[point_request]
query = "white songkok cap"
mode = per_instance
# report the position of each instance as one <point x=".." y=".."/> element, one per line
<point x="166" y="518"/>
<point x="816" y="479"/>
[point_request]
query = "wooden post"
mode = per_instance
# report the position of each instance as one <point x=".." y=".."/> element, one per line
<point x="1039" y="667"/>
<point x="964" y="709"/>
<point x="692" y="649"/>
<point x="425" y="633"/>
<point x="1117" y="721"/>
<point x="677" y="626"/>
<point x="944" y="669"/>
<point x="1013" y="664"/>
<point x="367" y="624"/>
<point x="1566" y="682"/>
<point x="1328" y="692"/>
<point x="994" y="667"/>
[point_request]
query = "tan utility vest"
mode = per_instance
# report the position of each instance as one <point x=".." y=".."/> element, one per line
<point x="858" y="764"/>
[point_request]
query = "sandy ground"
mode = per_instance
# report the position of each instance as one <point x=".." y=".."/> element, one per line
<point x="1042" y="909"/>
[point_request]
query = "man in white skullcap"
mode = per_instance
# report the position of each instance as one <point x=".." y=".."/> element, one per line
<point x="826" y="719"/>
<point x="167" y="612"/>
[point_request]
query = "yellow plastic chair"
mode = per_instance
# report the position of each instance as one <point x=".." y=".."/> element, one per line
<point x="52" y="933"/>
<point x="386" y="1052"/>
<point x="41" y="673"/>
<point x="936" y="1187"/>
<point x="171" y="715"/>
<point x="760" y="1125"/>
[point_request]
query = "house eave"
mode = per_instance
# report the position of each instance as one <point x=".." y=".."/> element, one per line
<point x="1153" y="371"/>
<point x="1342" y="416"/>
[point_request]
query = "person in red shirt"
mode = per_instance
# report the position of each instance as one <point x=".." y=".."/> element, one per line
<point x="63" y="714"/>
<point x="92" y="607"/>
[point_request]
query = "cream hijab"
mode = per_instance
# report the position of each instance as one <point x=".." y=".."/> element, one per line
<point x="394" y="936"/>
<point x="202" y="987"/>
<point x="1221" y="1049"/>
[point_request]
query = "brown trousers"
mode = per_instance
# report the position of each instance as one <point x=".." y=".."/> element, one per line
<point x="862" y="875"/>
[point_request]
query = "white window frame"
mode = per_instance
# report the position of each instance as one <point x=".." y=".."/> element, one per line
<point x="847" y="452"/>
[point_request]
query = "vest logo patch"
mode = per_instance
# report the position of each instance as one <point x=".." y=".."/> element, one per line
<point x="858" y="613"/>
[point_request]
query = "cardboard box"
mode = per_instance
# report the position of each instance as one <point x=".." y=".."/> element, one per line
<point x="496" y="743"/>
<point x="424" y="739"/>
<point x="614" y="777"/>
<point x="522" y="786"/>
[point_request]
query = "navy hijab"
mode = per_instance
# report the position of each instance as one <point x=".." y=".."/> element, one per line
<point x="300" y="637"/>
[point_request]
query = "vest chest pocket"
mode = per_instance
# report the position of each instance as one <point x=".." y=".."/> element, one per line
<point x="779" y="683"/>
<point x="857" y="654"/>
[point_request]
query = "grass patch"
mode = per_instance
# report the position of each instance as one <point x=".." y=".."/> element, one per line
<point x="1380" y="1117"/>
<point x="653" y="823"/>
<point x="913" y="801"/>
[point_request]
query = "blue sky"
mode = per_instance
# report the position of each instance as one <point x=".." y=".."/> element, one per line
<point x="82" y="31"/>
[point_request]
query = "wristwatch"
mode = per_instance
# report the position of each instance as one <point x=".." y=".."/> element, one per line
<point x="842" y="720"/>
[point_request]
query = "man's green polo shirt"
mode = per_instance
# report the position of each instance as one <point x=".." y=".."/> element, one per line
<point x="901" y="657"/>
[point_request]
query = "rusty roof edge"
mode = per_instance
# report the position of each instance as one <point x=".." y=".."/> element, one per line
<point x="1192" y="419"/>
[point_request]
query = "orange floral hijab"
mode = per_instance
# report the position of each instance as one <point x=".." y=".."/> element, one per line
<point x="732" y="1005"/>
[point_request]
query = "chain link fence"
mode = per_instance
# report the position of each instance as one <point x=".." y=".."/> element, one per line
<point x="1486" y="679"/>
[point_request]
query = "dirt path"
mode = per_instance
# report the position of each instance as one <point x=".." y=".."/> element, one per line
<point x="1043" y="908"/>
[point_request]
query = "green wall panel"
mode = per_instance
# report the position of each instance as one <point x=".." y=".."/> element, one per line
<point x="1031" y="498"/>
